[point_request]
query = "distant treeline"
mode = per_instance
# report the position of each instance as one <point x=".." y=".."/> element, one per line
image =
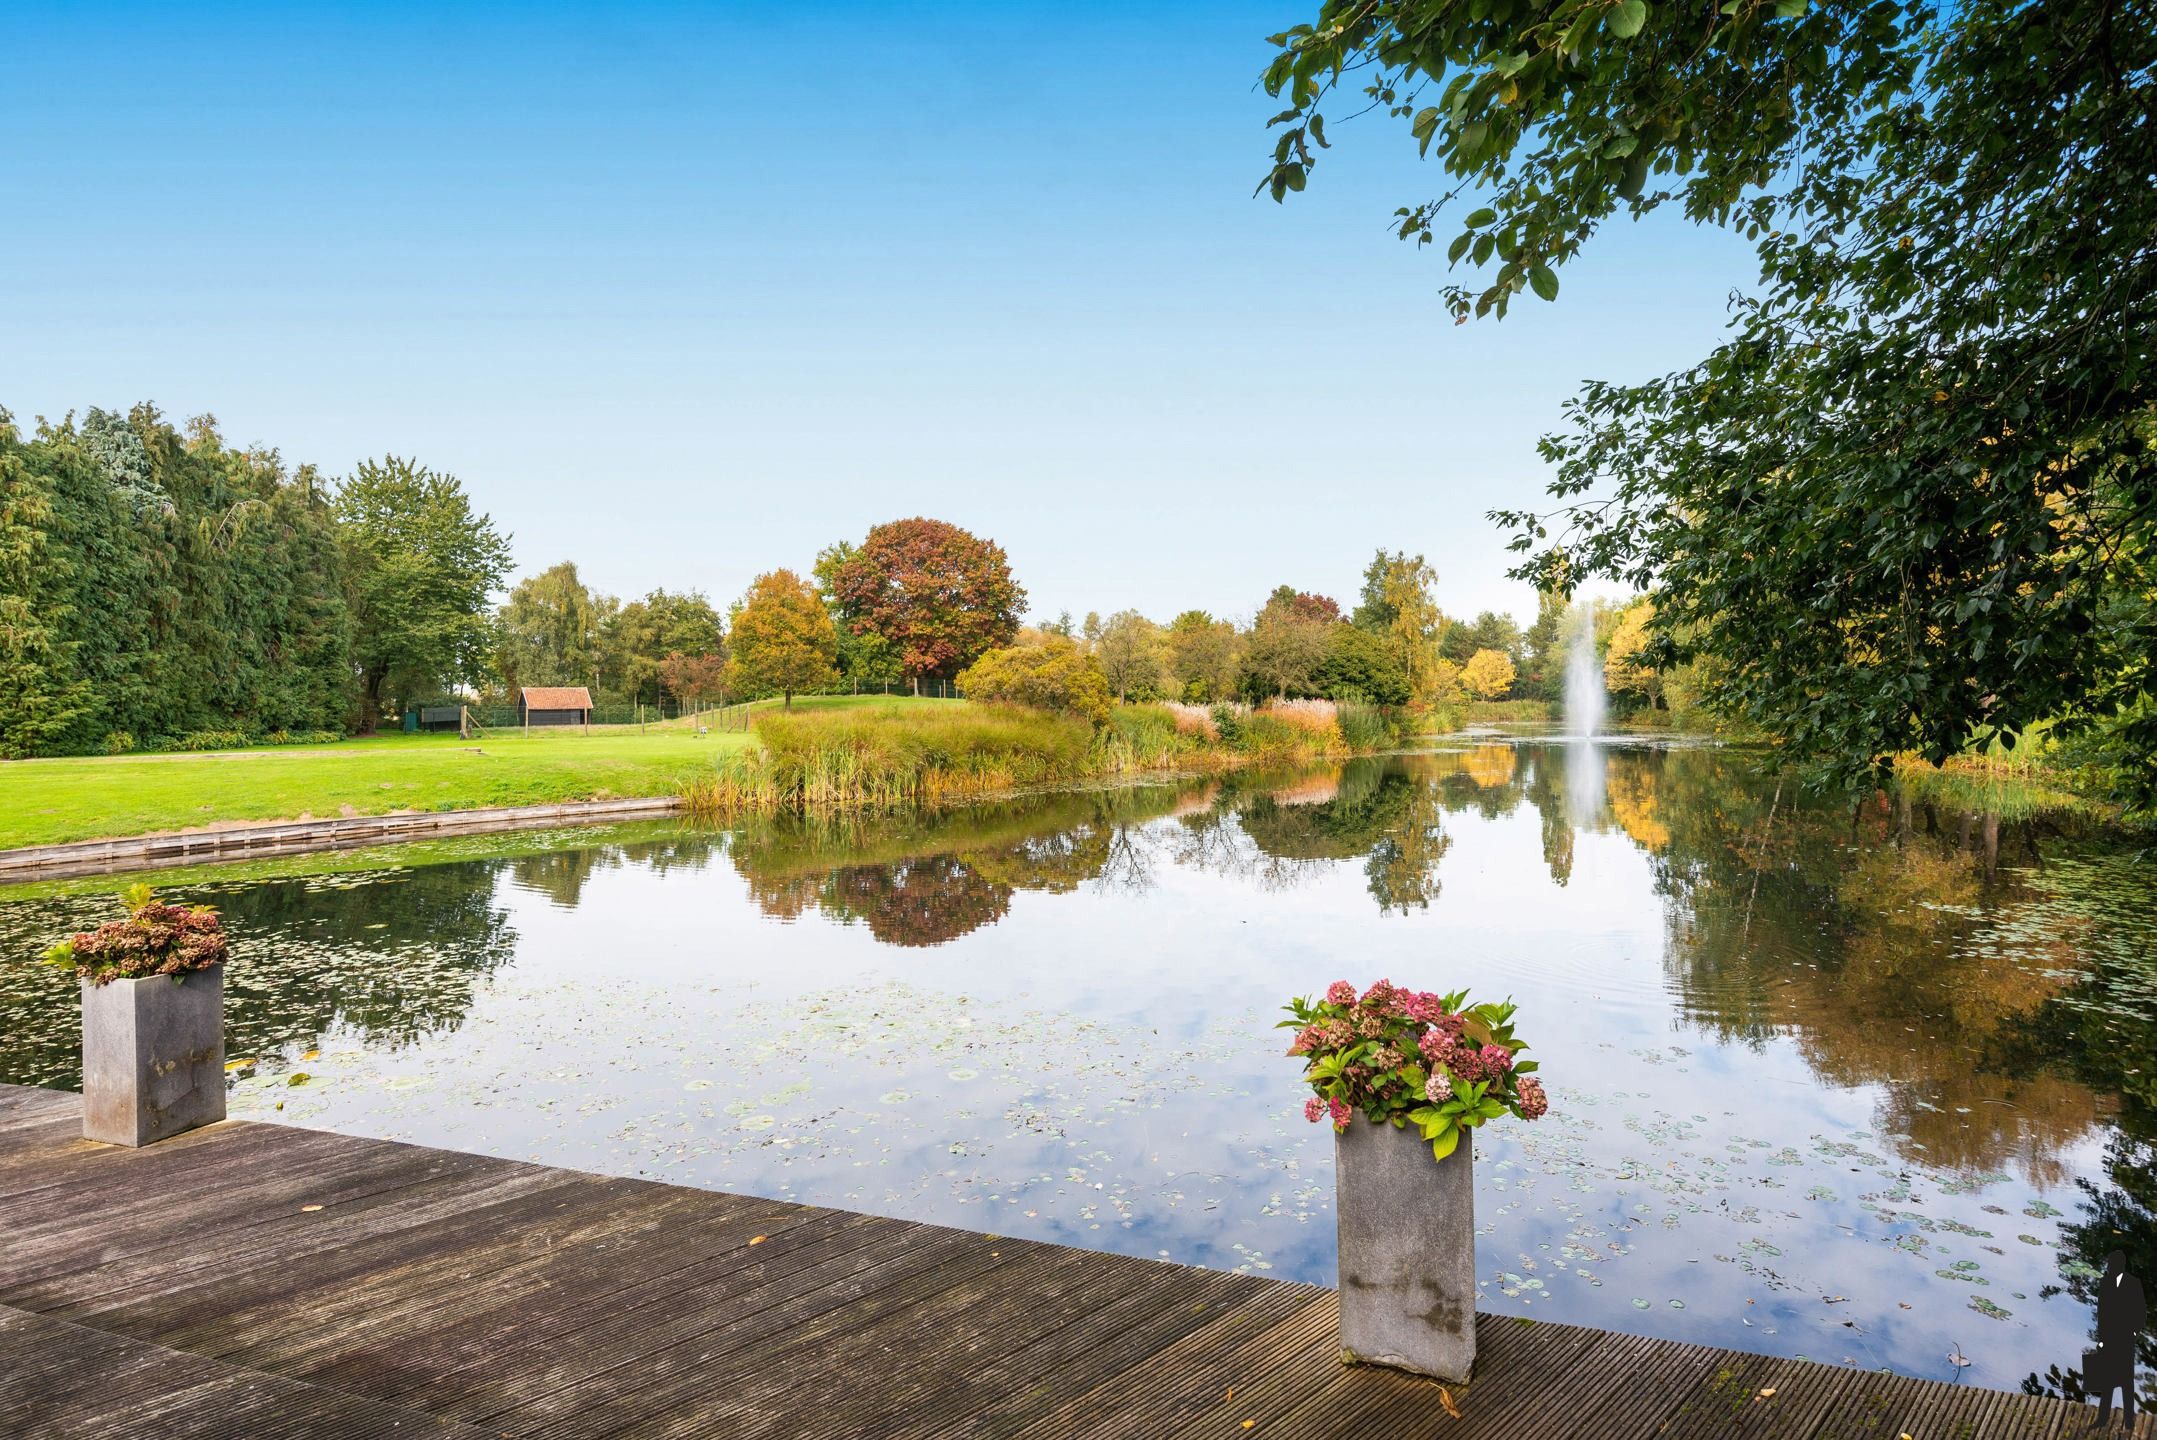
<point x="155" y="582"/>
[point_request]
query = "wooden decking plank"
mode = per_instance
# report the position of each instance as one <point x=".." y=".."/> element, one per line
<point x="297" y="1248"/>
<point x="1517" y="1364"/>
<point x="426" y="1359"/>
<point x="1241" y="1349"/>
<point x="644" y="1389"/>
<point x="695" y="1332"/>
<point x="151" y="1253"/>
<point x="479" y="1296"/>
<point x="1724" y="1396"/>
<point x="1140" y="1320"/>
<point x="812" y="1366"/>
<point x="592" y="1338"/>
<point x="487" y="1224"/>
<point x="100" y="1384"/>
<point x="962" y="1370"/>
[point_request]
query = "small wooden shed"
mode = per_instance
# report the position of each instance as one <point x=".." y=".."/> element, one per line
<point x="554" y="705"/>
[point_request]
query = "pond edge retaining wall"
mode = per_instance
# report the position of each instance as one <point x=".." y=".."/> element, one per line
<point x="285" y="837"/>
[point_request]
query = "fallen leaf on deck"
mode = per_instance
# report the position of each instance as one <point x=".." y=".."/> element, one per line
<point x="1445" y="1398"/>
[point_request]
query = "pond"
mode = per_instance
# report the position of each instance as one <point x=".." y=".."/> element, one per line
<point x="1871" y="1087"/>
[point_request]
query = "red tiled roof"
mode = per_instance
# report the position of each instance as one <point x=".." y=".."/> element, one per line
<point x="557" y="697"/>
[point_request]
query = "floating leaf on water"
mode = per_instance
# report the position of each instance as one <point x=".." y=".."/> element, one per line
<point x="893" y="1097"/>
<point x="298" y="1077"/>
<point x="759" y="1122"/>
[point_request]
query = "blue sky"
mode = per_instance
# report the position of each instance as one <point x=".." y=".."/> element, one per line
<point x="684" y="293"/>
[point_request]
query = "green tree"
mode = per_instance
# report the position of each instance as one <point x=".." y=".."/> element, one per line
<point x="420" y="564"/>
<point x="1399" y="601"/>
<point x="42" y="692"/>
<point x="784" y="642"/>
<point x="1203" y="656"/>
<point x="1287" y="644"/>
<point x="550" y="631"/>
<point x="1542" y="662"/>
<point x="642" y="634"/>
<point x="1133" y="656"/>
<point x="1362" y="665"/>
<point x="941" y="597"/>
<point x="1897" y="501"/>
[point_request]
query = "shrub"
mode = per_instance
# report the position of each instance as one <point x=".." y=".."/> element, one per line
<point x="119" y="742"/>
<point x="154" y="939"/>
<point x="1407" y="1057"/>
<point x="212" y="740"/>
<point x="1054" y="676"/>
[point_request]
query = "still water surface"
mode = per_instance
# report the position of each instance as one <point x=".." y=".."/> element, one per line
<point x="1871" y="1089"/>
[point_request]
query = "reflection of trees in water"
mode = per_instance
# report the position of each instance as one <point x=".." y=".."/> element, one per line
<point x="927" y="878"/>
<point x="561" y="875"/>
<point x="1275" y="835"/>
<point x="927" y="901"/>
<point x="1879" y="953"/>
<point x="394" y="955"/>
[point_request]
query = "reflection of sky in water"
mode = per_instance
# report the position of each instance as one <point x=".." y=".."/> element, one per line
<point x="1098" y="1066"/>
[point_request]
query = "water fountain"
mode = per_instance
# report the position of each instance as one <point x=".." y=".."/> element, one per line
<point x="1585" y="701"/>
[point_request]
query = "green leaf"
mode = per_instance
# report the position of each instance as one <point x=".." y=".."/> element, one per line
<point x="1545" y="282"/>
<point x="1627" y="19"/>
<point x="1445" y="1144"/>
<point x="1477" y="219"/>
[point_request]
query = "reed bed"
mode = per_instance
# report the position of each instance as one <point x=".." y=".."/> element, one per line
<point x="840" y="762"/>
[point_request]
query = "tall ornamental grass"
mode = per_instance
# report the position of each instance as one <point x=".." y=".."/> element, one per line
<point x="833" y="761"/>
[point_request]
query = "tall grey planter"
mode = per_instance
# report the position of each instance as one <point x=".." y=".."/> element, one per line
<point x="1407" y="1240"/>
<point x="153" y="1056"/>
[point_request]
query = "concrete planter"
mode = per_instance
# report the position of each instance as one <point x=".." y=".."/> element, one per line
<point x="1407" y="1239"/>
<point x="153" y="1056"/>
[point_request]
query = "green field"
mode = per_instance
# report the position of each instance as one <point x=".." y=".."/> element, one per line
<point x="91" y="797"/>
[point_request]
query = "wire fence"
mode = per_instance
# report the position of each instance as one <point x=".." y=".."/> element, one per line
<point x="709" y="715"/>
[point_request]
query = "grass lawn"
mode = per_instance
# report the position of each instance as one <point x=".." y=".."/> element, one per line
<point x="92" y="797"/>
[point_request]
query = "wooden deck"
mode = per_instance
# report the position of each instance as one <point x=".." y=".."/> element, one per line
<point x="261" y="1281"/>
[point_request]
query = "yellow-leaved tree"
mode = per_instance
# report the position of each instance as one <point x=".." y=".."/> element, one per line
<point x="783" y="639"/>
<point x="1488" y="674"/>
<point x="1624" y="672"/>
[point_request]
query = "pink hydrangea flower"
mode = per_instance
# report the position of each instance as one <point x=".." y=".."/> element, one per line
<point x="1340" y="1112"/>
<point x="1380" y="994"/>
<point x="1534" y="1104"/>
<point x="1340" y="992"/>
<point x="1497" y="1057"/>
<point x="1313" y="1108"/>
<point x="1438" y="1089"/>
<point x="1422" y="1006"/>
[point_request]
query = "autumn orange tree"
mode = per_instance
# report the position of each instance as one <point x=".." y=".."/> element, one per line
<point x="941" y="596"/>
<point x="783" y="639"/>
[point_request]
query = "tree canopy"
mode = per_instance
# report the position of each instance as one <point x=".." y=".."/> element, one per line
<point x="1910" y="502"/>
<point x="420" y="564"/>
<point x="783" y="639"/>
<point x="938" y="595"/>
